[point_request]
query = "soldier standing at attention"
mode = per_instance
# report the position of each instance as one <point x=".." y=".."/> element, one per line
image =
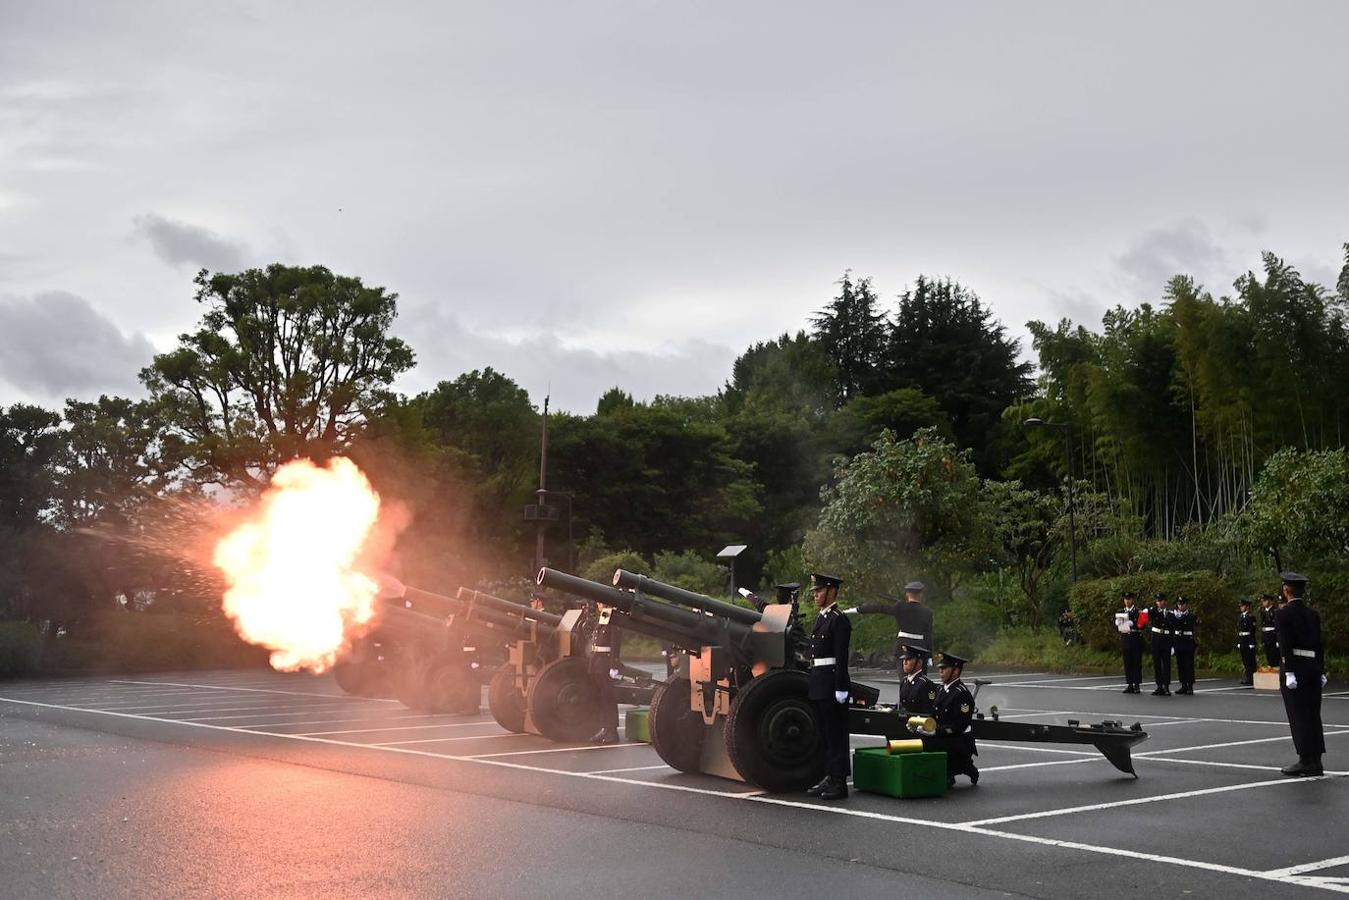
<point x="1130" y="643"/>
<point x="917" y="694"/>
<point x="1159" y="620"/>
<point x="1246" y="641"/>
<point x="1302" y="674"/>
<point x="954" y="712"/>
<point x="1269" y="635"/>
<point x="1182" y="638"/>
<point x="913" y="620"/>
<point x="829" y="684"/>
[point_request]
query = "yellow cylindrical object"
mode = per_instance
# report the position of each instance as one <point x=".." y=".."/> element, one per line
<point x="904" y="746"/>
<point x="923" y="723"/>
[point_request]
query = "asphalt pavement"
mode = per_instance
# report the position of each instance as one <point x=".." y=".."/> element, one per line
<point x="259" y="784"/>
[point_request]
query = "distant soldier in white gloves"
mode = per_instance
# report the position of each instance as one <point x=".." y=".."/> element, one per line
<point x="1302" y="670"/>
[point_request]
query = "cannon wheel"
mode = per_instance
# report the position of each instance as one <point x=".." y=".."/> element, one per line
<point x="506" y="701"/>
<point x="410" y="683"/>
<point x="451" y="686"/>
<point x="564" y="701"/>
<point x="364" y="673"/>
<point x="677" y="732"/>
<point x="773" y="737"/>
<point x="352" y="676"/>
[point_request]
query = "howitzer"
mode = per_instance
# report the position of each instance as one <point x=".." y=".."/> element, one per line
<point x="740" y="708"/>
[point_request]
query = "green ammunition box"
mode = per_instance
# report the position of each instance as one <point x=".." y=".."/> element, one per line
<point x="635" y="727"/>
<point x="902" y="775"/>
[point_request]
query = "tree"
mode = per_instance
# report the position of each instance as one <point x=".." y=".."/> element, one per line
<point x="852" y="333"/>
<point x="110" y="467"/>
<point x="286" y="362"/>
<point x="1299" y="508"/>
<point x="31" y="448"/>
<point x="901" y="509"/>
<point x="945" y="342"/>
<point x="792" y="373"/>
<point x="859" y="423"/>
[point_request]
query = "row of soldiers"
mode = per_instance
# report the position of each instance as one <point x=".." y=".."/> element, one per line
<point x="1172" y="633"/>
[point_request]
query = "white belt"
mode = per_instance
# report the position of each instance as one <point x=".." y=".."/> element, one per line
<point x="469" y="649"/>
<point x="825" y="661"/>
<point x="1243" y="634"/>
<point x="910" y="634"/>
<point x="1308" y="653"/>
<point x="601" y="649"/>
<point x="1185" y="633"/>
<point x="1157" y="630"/>
<point x="1268" y="628"/>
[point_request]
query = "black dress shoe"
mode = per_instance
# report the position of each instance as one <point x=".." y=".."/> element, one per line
<point x="837" y="790"/>
<point x="1137" y="689"/>
<point x="1128" y="689"/>
<point x="973" y="773"/>
<point x="818" y="789"/>
<point x="1166" y="692"/>
<point x="1160" y="692"/>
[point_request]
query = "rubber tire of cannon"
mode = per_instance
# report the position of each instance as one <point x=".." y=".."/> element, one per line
<point x="506" y="701"/>
<point x="352" y="676"/>
<point x="677" y="731"/>
<point x="773" y="736"/>
<point x="410" y="682"/>
<point x="564" y="701"/>
<point x="451" y="686"/>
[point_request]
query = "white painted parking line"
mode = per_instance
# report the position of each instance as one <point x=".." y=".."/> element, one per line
<point x="1282" y="737"/>
<point x="344" y="721"/>
<point x="1310" y="867"/>
<point x="221" y="687"/>
<point x="402" y="728"/>
<point x="448" y="740"/>
<point x="1139" y="801"/>
<point x="623" y="746"/>
<point x="1222" y="765"/>
<point x="248" y="715"/>
<point x="1136" y="715"/>
<point x="755" y="797"/>
<point x="629" y="769"/>
<point x="235" y="703"/>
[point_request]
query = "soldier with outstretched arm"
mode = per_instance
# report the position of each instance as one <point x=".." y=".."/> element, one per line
<point x="1302" y="675"/>
<point x="913" y="620"/>
<point x="830" y="644"/>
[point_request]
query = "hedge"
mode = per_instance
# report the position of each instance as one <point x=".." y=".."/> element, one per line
<point x="147" y="642"/>
<point x="20" y="648"/>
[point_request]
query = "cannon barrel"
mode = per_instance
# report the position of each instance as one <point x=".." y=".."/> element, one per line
<point x="634" y="582"/>
<point x="664" y="621"/>
<point x="432" y="611"/>
<point x="488" y="601"/>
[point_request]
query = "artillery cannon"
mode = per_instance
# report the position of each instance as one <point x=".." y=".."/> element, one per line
<point x="542" y="682"/>
<point x="739" y="706"/>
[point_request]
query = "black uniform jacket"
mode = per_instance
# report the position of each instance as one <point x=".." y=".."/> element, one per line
<point x="1246" y="630"/>
<point x="1182" y="627"/>
<point x="918" y="694"/>
<point x="954" y="710"/>
<point x="1161" y="623"/>
<point x="1299" y="629"/>
<point x="910" y="619"/>
<point x="829" y="640"/>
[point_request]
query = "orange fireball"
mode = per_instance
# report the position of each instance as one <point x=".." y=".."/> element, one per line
<point x="292" y="573"/>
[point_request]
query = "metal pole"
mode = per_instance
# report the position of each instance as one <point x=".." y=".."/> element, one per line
<point x="1072" y="517"/>
<point x="541" y="525"/>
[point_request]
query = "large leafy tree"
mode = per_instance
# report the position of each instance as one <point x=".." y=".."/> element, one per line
<point x="111" y="461"/>
<point x="1299" y="508"/>
<point x="902" y="509"/>
<point x="286" y="362"/>
<point x="851" y="331"/>
<point x="946" y="343"/>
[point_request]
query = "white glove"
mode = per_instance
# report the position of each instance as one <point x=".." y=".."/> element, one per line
<point x="850" y="611"/>
<point x="1290" y="680"/>
<point x="841" y="696"/>
<point x="613" y="673"/>
<point x="1323" y="681"/>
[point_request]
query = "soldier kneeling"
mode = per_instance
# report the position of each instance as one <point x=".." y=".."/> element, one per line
<point x="954" y="710"/>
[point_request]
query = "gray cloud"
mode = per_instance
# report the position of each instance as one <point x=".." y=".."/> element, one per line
<point x="181" y="243"/>
<point x="1187" y="248"/>
<point x="575" y="376"/>
<point x="56" y="344"/>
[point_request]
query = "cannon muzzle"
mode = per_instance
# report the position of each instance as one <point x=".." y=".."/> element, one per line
<point x="642" y="584"/>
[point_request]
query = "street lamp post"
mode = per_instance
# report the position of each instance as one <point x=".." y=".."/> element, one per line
<point x="1068" y="453"/>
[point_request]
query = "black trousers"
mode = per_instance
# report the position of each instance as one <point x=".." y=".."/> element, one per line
<point x="1131" y="648"/>
<point x="1247" y="659"/>
<point x="959" y="749"/>
<point x="1185" y="662"/>
<point x="1161" y="661"/>
<point x="1303" y="706"/>
<point x="834" y="723"/>
<point x="1271" y="649"/>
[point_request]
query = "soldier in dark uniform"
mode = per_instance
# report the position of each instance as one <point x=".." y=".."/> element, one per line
<point x="1183" y="623"/>
<point x="605" y="663"/>
<point x="1269" y="635"/>
<point x="954" y="710"/>
<point x="1302" y="675"/>
<point x="830" y="641"/>
<point x="1246" y="641"/>
<point x="1130" y="643"/>
<point x="913" y="620"/>
<point x="917" y="694"/>
<point x="1159" y="621"/>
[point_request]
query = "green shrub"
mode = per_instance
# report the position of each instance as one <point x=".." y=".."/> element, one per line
<point x="145" y="642"/>
<point x="20" y="648"/>
<point x="1045" y="650"/>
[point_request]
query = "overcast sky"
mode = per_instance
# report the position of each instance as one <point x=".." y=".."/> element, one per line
<point x="589" y="194"/>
